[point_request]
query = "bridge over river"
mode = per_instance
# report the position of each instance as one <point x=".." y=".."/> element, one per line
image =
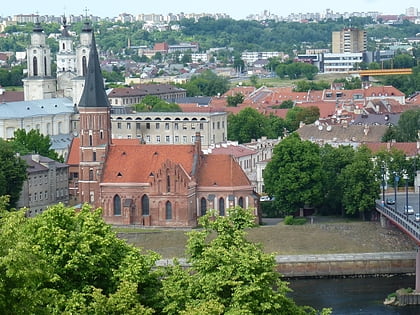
<point x="395" y="213"/>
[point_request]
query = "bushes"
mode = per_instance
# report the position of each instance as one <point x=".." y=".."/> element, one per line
<point x="290" y="220"/>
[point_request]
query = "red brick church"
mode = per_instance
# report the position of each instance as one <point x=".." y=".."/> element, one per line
<point x="144" y="184"/>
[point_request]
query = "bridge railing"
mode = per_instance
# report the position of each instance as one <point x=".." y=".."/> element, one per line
<point x="410" y="227"/>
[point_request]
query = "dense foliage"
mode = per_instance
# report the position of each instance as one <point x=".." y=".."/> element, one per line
<point x="152" y="103"/>
<point x="334" y="180"/>
<point x="33" y="142"/>
<point x="70" y="262"/>
<point x="293" y="175"/>
<point x="407" y="129"/>
<point x="206" y="83"/>
<point x="250" y="124"/>
<point x="12" y="173"/>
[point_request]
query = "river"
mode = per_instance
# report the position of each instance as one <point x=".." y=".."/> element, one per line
<point x="353" y="295"/>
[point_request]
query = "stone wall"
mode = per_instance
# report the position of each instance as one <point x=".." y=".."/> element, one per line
<point x="346" y="264"/>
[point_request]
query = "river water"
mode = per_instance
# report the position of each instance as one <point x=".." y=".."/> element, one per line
<point x="353" y="295"/>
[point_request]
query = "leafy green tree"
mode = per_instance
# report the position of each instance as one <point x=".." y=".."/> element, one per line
<point x="152" y="103"/>
<point x="206" y="84"/>
<point x="361" y="186"/>
<point x="12" y="173"/>
<point x="234" y="100"/>
<point x="228" y="273"/>
<point x="294" y="174"/>
<point x="254" y="80"/>
<point x="65" y="262"/>
<point x="296" y="115"/>
<point x="407" y="129"/>
<point x="246" y="125"/>
<point x="286" y="104"/>
<point x="305" y="86"/>
<point x="33" y="142"/>
<point x="333" y="161"/>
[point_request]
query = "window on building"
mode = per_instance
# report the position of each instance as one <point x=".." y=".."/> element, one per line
<point x="167" y="139"/>
<point x="91" y="174"/>
<point x="157" y="139"/>
<point x="35" y="65"/>
<point x="176" y="139"/>
<point x="221" y="206"/>
<point x="128" y="125"/>
<point x="168" y="183"/>
<point x="241" y="202"/>
<point x="167" y="126"/>
<point x="147" y="125"/>
<point x="117" y="205"/>
<point x="201" y="126"/>
<point x="157" y="125"/>
<point x="203" y="206"/>
<point x="168" y="211"/>
<point x="184" y="139"/>
<point x="138" y="126"/>
<point x="94" y="156"/>
<point x="176" y="126"/>
<point x="145" y="205"/>
<point x="118" y="125"/>
<point x="148" y="138"/>
<point x="46" y="195"/>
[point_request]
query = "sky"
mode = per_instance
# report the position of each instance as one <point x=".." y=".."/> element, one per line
<point x="234" y="8"/>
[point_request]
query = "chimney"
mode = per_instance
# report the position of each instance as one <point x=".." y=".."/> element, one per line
<point x="198" y="143"/>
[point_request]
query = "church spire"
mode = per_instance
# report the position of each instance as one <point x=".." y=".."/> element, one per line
<point x="94" y="94"/>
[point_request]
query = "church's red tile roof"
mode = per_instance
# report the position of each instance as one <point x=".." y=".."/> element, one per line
<point x="127" y="163"/>
<point x="221" y="171"/>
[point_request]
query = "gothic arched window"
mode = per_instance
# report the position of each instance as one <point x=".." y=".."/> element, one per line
<point x="241" y="202"/>
<point x="117" y="205"/>
<point x="203" y="206"/>
<point x="145" y="205"/>
<point x="168" y="210"/>
<point x="221" y="206"/>
<point x="84" y="65"/>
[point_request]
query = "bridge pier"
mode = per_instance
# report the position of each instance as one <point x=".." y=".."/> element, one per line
<point x="385" y="223"/>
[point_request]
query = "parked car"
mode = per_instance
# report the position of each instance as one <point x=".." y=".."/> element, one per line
<point x="265" y="198"/>
<point x="390" y="201"/>
<point x="417" y="216"/>
<point x="408" y="209"/>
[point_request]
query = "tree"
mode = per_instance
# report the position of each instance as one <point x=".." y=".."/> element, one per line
<point x="293" y="176"/>
<point x="33" y="142"/>
<point x="361" y="186"/>
<point x="228" y="273"/>
<point x="67" y="262"/>
<point x="12" y="173"/>
<point x="207" y="83"/>
<point x="296" y="115"/>
<point x="152" y="103"/>
<point x="236" y="99"/>
<point x="246" y="125"/>
<point x="407" y="129"/>
<point x="333" y="161"/>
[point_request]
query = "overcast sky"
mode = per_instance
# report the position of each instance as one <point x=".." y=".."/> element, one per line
<point x="235" y="8"/>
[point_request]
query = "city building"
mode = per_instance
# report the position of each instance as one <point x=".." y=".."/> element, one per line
<point x="349" y="40"/>
<point x="139" y="183"/>
<point x="46" y="184"/>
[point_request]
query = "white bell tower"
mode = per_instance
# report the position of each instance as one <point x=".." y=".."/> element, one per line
<point x="39" y="84"/>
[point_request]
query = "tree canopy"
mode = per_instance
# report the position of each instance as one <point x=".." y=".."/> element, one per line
<point x="228" y="274"/>
<point x="12" y="173"/>
<point x="250" y="124"/>
<point x="70" y="262"/>
<point x="407" y="129"/>
<point x="152" y="103"/>
<point x="33" y="142"/>
<point x="293" y="176"/>
<point x="206" y="83"/>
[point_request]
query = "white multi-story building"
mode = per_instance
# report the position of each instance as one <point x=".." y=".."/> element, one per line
<point x="341" y="62"/>
<point x="171" y="128"/>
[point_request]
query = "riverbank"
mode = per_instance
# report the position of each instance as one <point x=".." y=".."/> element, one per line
<point x="327" y="235"/>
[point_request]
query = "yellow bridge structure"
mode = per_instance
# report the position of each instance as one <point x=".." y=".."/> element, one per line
<point x="373" y="73"/>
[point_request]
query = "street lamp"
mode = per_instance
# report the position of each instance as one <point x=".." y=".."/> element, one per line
<point x="406" y="192"/>
<point x="383" y="185"/>
<point x="396" y="179"/>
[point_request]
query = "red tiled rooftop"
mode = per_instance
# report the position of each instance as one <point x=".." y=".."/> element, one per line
<point x="128" y="163"/>
<point x="221" y="170"/>
<point x="409" y="148"/>
<point x="234" y="150"/>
